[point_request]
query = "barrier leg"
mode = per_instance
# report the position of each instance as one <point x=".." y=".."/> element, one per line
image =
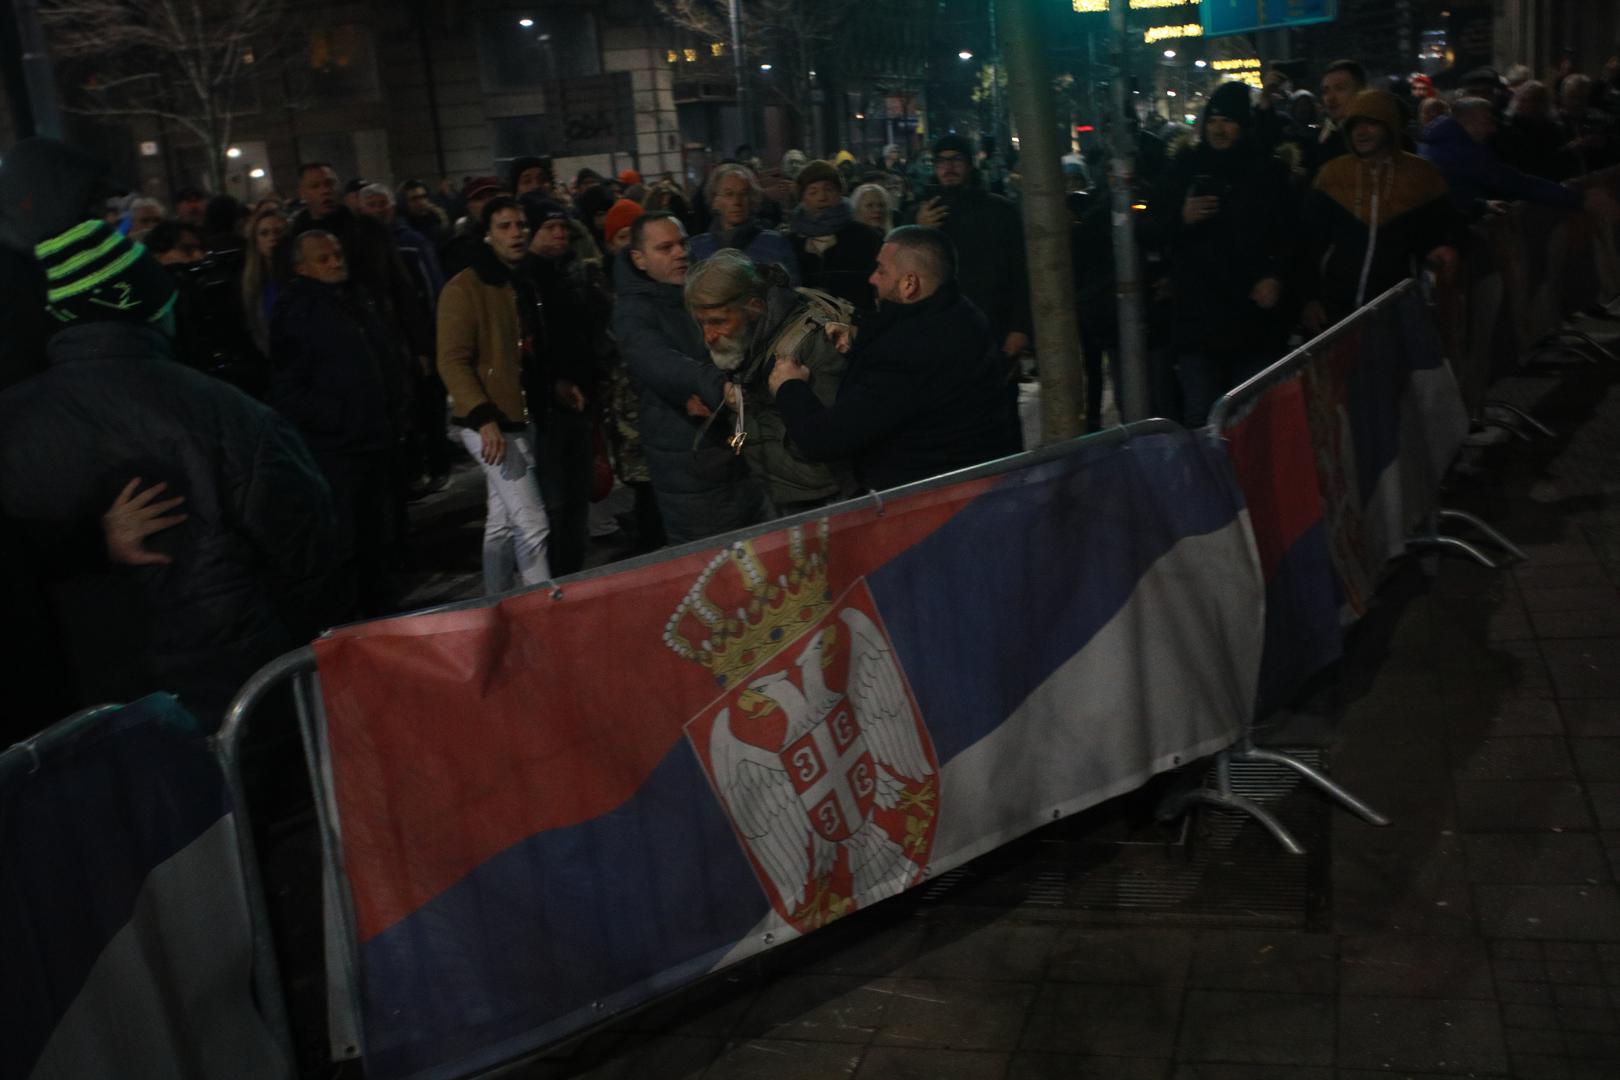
<point x="1520" y="414"/>
<point x="1491" y="534"/>
<point x="1438" y="540"/>
<point x="1586" y="340"/>
<point x="1315" y="776"/>
<point x="1222" y="798"/>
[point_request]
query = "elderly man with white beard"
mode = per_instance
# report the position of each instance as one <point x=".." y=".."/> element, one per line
<point x="749" y="317"/>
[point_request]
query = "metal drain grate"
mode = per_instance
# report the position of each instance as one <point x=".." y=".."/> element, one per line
<point x="1215" y="868"/>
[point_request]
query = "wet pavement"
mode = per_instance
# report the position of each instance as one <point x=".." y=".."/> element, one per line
<point x="1479" y="935"/>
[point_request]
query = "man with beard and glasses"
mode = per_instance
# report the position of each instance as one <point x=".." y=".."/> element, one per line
<point x="749" y="317"/>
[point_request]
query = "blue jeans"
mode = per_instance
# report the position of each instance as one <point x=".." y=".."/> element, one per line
<point x="1205" y="376"/>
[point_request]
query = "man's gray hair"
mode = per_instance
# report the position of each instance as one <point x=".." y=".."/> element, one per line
<point x="1467" y="106"/>
<point x="721" y="172"/>
<point x="378" y="189"/>
<point x="931" y="251"/>
<point x="303" y="238"/>
<point x="728" y="278"/>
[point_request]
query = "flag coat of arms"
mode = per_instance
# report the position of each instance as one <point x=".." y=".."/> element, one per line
<point x="555" y="807"/>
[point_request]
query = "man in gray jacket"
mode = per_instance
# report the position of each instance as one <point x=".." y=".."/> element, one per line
<point x="702" y="484"/>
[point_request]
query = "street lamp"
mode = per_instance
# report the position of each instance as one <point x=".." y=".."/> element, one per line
<point x="525" y="23"/>
<point x="764" y="67"/>
<point x="1169" y="54"/>
<point x="964" y="55"/>
<point x="257" y="174"/>
<point x="234" y="152"/>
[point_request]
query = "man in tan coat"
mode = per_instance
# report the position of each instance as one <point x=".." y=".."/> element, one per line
<point x="489" y="324"/>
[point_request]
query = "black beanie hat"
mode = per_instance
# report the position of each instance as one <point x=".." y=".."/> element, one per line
<point x="95" y="274"/>
<point x="1231" y="100"/>
<point x="959" y="144"/>
<point x="538" y="211"/>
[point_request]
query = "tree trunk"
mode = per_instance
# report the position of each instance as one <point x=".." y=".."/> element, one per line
<point x="1046" y="223"/>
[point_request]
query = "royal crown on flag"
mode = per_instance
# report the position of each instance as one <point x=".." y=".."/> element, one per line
<point x="732" y="622"/>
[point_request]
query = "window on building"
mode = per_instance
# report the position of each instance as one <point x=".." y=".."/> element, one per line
<point x="524" y="49"/>
<point x="342" y="65"/>
<point x="521" y="136"/>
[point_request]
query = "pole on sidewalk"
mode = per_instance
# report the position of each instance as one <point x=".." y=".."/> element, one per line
<point x="1046" y="223"/>
<point x="1132" y="358"/>
<point x="30" y="84"/>
<point x="739" y="67"/>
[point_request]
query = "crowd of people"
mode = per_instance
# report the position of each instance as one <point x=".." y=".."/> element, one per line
<point x="227" y="408"/>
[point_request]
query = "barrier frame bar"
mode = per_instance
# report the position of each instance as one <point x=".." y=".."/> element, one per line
<point x="298" y="668"/>
<point x="267" y="986"/>
<point x="1222" y="796"/>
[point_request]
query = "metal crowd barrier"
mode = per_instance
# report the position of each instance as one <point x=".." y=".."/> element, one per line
<point x="297" y="671"/>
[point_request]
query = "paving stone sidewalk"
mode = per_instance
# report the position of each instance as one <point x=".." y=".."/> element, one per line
<point x="1478" y="936"/>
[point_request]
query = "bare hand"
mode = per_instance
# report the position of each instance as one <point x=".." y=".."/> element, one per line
<point x="132" y="518"/>
<point x="786" y="370"/>
<point x="1200" y="208"/>
<point x="1016" y="343"/>
<point x="492" y="448"/>
<point x="1444" y="261"/>
<point x="1265" y="293"/>
<point x="569" y="396"/>
<point x="1314" y="316"/>
<point x="696" y="408"/>
<point x="842" y="335"/>
<point x="932" y="213"/>
<point x="733" y="396"/>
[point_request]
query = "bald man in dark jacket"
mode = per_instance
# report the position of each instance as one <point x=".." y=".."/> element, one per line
<point x="925" y="392"/>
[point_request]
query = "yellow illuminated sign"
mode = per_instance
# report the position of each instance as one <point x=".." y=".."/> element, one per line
<point x="1252" y="63"/>
<point x="1171" y="33"/>
<point x="1098" y="7"/>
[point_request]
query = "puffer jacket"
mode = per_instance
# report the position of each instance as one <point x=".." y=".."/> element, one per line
<point x="703" y="488"/>
<point x="251" y="562"/>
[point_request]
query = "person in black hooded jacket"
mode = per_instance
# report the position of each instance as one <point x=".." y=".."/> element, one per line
<point x="1225" y="216"/>
<point x="249" y="566"/>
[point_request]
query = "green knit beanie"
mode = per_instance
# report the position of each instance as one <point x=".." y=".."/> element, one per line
<point x="95" y="274"/>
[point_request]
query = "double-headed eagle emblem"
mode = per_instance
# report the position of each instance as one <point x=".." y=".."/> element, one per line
<point x="816" y="749"/>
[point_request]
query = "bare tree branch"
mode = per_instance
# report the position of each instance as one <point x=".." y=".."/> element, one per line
<point x="188" y="62"/>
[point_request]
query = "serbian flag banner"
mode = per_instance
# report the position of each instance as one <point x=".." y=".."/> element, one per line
<point x="557" y="806"/>
<point x="1339" y="462"/>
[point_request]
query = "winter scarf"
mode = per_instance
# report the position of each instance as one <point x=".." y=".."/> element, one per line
<point x="824" y="223"/>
